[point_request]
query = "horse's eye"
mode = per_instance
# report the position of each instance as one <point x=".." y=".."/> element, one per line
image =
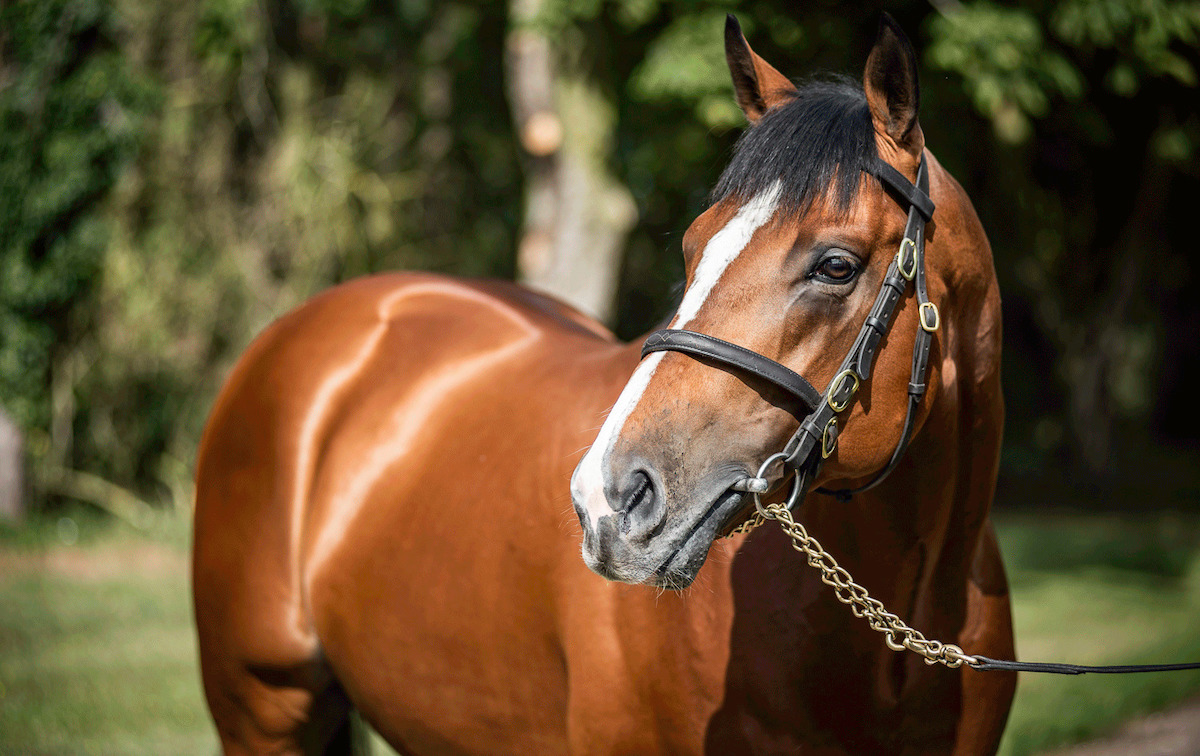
<point x="835" y="269"/>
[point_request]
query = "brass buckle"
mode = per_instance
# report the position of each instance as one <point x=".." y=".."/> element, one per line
<point x="926" y="308"/>
<point x="836" y="386"/>
<point x="912" y="269"/>
<point x="829" y="442"/>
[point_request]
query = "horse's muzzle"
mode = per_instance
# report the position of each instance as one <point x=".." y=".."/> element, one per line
<point x="618" y="545"/>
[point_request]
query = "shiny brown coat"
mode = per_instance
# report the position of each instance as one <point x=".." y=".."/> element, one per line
<point x="384" y="523"/>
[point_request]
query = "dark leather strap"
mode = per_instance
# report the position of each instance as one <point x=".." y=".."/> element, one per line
<point x="879" y="322"/>
<point x="732" y="355"/>
<point x="910" y="194"/>
<point x="986" y="664"/>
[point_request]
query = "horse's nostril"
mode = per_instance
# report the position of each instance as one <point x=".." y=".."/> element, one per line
<point x="641" y="509"/>
<point x="642" y="491"/>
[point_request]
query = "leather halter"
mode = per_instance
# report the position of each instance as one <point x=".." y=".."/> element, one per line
<point x="817" y="436"/>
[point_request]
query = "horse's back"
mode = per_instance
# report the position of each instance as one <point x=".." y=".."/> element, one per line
<point x="352" y="447"/>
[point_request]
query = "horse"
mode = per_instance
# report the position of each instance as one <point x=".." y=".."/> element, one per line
<point x="398" y="478"/>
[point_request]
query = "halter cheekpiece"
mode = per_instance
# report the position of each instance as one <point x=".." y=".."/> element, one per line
<point x="817" y="437"/>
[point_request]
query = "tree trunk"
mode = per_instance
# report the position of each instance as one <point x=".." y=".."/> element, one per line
<point x="12" y="470"/>
<point x="577" y="214"/>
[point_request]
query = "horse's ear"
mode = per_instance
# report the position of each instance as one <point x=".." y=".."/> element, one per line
<point x="756" y="84"/>
<point x="893" y="93"/>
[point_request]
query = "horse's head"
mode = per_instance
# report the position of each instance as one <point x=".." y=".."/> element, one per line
<point x="789" y="263"/>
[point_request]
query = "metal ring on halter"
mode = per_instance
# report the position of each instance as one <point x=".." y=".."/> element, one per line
<point x="797" y="492"/>
<point x="793" y="496"/>
<point x="751" y="484"/>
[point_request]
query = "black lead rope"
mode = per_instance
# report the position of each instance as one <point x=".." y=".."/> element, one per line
<point x="984" y="664"/>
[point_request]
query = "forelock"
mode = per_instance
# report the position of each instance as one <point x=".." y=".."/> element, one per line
<point x="816" y="145"/>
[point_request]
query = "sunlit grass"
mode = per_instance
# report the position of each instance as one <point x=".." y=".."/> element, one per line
<point x="97" y="653"/>
<point x="1099" y="590"/>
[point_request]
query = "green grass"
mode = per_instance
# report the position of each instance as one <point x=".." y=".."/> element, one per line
<point x="97" y="653"/>
<point x="1099" y="590"/>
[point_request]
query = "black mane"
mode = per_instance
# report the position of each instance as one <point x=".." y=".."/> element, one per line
<point x="818" y="143"/>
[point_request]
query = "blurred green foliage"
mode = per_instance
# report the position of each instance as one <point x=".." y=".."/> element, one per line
<point x="175" y="176"/>
<point x="1092" y="159"/>
<point x="1002" y="56"/>
<point x="1013" y="71"/>
<point x="1083" y="586"/>
<point x="71" y="119"/>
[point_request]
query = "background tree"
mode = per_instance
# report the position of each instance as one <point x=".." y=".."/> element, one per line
<point x="175" y="176"/>
<point x="1093" y="160"/>
<point x="577" y="213"/>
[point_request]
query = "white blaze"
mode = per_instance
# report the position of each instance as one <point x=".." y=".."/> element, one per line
<point x="587" y="484"/>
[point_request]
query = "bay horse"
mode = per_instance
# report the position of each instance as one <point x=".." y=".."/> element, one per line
<point x="385" y="486"/>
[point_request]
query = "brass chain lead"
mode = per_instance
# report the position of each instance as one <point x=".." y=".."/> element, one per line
<point x="747" y="525"/>
<point x="897" y="635"/>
